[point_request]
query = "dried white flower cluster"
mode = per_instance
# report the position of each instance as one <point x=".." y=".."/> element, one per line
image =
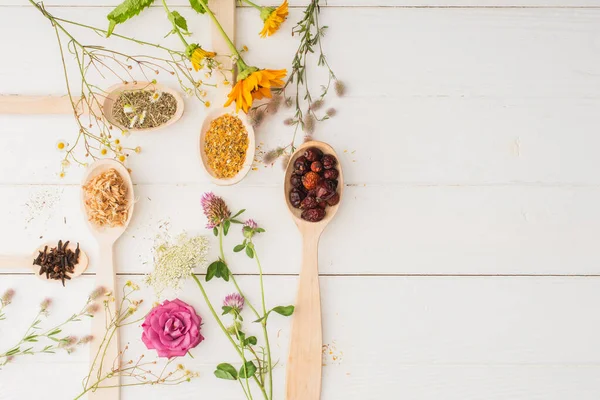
<point x="174" y="261"/>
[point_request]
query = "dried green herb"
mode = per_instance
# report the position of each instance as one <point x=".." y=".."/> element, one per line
<point x="143" y="109"/>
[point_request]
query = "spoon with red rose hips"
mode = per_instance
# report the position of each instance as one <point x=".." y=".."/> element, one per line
<point x="313" y="188"/>
<point x="60" y="262"/>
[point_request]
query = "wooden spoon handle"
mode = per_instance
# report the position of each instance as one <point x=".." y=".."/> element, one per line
<point x="17" y="104"/>
<point x="104" y="356"/>
<point x="11" y="262"/>
<point x="305" y="359"/>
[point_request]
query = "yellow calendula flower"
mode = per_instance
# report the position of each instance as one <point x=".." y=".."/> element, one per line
<point x="197" y="54"/>
<point x="253" y="84"/>
<point x="273" y="18"/>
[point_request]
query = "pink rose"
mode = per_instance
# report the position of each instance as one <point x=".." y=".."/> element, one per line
<point x="172" y="328"/>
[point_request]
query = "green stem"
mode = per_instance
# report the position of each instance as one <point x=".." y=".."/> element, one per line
<point x="264" y="325"/>
<point x="237" y="287"/>
<point x="237" y="332"/>
<point x="240" y="62"/>
<point x="175" y="27"/>
<point x="259" y="8"/>
<point x="235" y="346"/>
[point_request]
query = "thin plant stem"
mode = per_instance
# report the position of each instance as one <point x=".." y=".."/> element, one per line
<point x="263" y="323"/>
<point x="220" y="323"/>
<point x="253" y="4"/>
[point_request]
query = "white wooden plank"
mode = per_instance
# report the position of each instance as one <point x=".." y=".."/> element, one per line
<point x="454" y="110"/>
<point x="379" y="229"/>
<point x="418" y="338"/>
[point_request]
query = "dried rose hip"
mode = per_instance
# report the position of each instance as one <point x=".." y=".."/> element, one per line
<point x="313" y="215"/>
<point x="296" y="197"/>
<point x="329" y="161"/>
<point x="308" y="203"/>
<point x="313" y="154"/>
<point x="331" y="173"/>
<point x="310" y="180"/>
<point x="301" y="165"/>
<point x="316" y="166"/>
<point x="296" y="181"/>
<point x="322" y="204"/>
<point x="325" y="189"/>
<point x="334" y="200"/>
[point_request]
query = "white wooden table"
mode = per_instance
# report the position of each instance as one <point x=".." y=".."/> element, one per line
<point x="464" y="262"/>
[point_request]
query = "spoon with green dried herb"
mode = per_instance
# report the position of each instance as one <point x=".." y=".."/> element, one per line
<point x="135" y="106"/>
<point x="60" y="262"/>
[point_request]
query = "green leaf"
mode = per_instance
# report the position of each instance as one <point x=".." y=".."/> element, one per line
<point x="125" y="11"/>
<point x="251" y="340"/>
<point x="262" y="318"/>
<point x="226" y="310"/>
<point x="215" y="231"/>
<point x="249" y="251"/>
<point x="260" y="230"/>
<point x="286" y="311"/>
<point x="236" y="221"/>
<point x="178" y="20"/>
<point x="226" y="371"/>
<point x="55" y="332"/>
<point x="239" y="248"/>
<point x="226" y="226"/>
<point x="211" y="271"/>
<point x="239" y="213"/>
<point x="247" y="370"/>
<point x="197" y="5"/>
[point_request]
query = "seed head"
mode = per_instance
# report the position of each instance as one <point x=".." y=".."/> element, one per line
<point x="309" y="124"/>
<point x="331" y="112"/>
<point x="7" y="297"/>
<point x="98" y="292"/>
<point x="257" y="116"/>
<point x="273" y="105"/>
<point x="317" y="104"/>
<point x="45" y="304"/>
<point x="340" y="88"/>
<point x="271" y="156"/>
<point x="86" y="339"/>
<point x="92" y="309"/>
<point x="288" y="121"/>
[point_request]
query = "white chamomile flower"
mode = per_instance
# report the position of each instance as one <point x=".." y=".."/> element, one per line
<point x="143" y="117"/>
<point x="133" y="121"/>
<point x="128" y="109"/>
<point x="155" y="96"/>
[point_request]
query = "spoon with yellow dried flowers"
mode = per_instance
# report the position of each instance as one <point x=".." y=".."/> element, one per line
<point x="107" y="200"/>
<point x="133" y="106"/>
<point x="59" y="262"/>
<point x="313" y="187"/>
<point x="227" y="146"/>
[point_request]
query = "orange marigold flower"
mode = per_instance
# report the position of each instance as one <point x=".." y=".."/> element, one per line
<point x="273" y="18"/>
<point x="253" y="84"/>
<point x="197" y="54"/>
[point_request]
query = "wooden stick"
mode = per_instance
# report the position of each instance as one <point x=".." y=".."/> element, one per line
<point x="16" y="104"/>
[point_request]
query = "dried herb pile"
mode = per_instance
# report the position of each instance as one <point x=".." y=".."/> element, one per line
<point x="143" y="109"/>
<point x="58" y="262"/>
<point x="225" y="145"/>
<point x="106" y="199"/>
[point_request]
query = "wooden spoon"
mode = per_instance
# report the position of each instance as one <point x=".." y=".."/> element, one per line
<point x="105" y="277"/>
<point x="249" y="152"/>
<point x="17" y="104"/>
<point x="305" y="358"/>
<point x="27" y="262"/>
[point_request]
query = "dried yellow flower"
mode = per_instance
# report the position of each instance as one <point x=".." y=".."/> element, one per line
<point x="225" y="145"/>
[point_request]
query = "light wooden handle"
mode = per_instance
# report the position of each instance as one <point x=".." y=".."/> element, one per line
<point x="17" y="104"/>
<point x="105" y="277"/>
<point x="224" y="10"/>
<point x="305" y="359"/>
<point x="11" y="262"/>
